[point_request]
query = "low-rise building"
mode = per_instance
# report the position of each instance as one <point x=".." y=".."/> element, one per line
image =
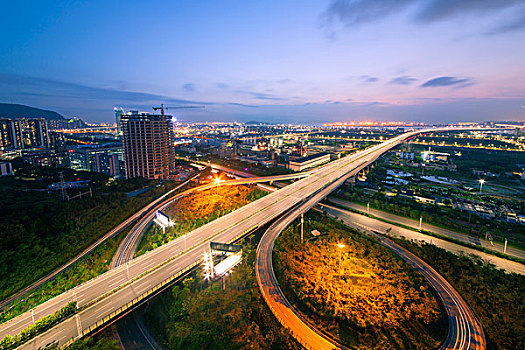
<point x="311" y="161"/>
<point x="431" y="156"/>
<point x="424" y="200"/>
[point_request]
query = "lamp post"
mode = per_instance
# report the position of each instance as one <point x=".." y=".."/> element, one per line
<point x="481" y="182"/>
<point x="217" y="182"/>
<point x="340" y="246"/>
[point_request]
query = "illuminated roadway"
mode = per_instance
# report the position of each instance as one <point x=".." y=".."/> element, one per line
<point x="360" y="221"/>
<point x="100" y="297"/>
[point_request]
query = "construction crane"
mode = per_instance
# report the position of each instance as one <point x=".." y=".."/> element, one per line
<point x="162" y="108"/>
<point x="164" y="136"/>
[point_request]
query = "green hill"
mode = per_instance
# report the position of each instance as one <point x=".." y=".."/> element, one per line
<point x="13" y="111"/>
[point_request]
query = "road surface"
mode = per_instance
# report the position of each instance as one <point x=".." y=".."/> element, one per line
<point x="497" y="247"/>
<point x="132" y="329"/>
<point x="129" y="244"/>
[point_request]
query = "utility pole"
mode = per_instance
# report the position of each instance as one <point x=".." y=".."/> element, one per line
<point x="62" y="186"/>
<point x="75" y="297"/>
<point x="32" y="317"/>
<point x="340" y="246"/>
<point x="420" y="222"/>
<point x="481" y="182"/>
<point x="211" y="264"/>
<point x="302" y="226"/>
<point x="505" y="249"/>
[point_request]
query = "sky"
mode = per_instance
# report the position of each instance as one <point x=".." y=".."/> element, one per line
<point x="278" y="61"/>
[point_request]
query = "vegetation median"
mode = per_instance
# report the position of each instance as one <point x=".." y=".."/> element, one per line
<point x="40" y="326"/>
<point x="197" y="209"/>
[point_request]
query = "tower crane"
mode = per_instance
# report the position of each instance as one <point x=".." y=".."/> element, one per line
<point x="162" y="108"/>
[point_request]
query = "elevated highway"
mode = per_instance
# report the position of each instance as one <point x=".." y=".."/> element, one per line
<point x="106" y="296"/>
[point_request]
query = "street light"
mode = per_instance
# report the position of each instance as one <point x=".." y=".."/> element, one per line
<point x="340" y="246"/>
<point x="217" y="182"/>
<point x="481" y="182"/>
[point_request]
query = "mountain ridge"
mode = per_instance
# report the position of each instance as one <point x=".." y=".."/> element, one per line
<point x="17" y="111"/>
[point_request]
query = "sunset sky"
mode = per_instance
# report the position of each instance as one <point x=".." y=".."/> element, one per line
<point x="310" y="61"/>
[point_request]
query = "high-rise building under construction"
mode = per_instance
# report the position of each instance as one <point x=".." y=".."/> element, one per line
<point x="148" y="145"/>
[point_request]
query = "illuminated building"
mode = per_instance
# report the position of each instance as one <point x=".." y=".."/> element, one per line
<point x="10" y="134"/>
<point x="34" y="133"/>
<point x="148" y="141"/>
<point x="101" y="160"/>
<point x="105" y="163"/>
<point x="23" y="133"/>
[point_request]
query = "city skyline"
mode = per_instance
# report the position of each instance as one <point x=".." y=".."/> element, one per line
<point x="432" y="61"/>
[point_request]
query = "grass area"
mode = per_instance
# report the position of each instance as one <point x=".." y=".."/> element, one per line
<point x="197" y="314"/>
<point x="361" y="294"/>
<point x="83" y="270"/>
<point x="497" y="298"/>
<point x="40" y="232"/>
<point x="197" y="209"/>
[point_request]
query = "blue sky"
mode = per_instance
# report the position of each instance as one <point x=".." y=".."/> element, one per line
<point x="310" y="61"/>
